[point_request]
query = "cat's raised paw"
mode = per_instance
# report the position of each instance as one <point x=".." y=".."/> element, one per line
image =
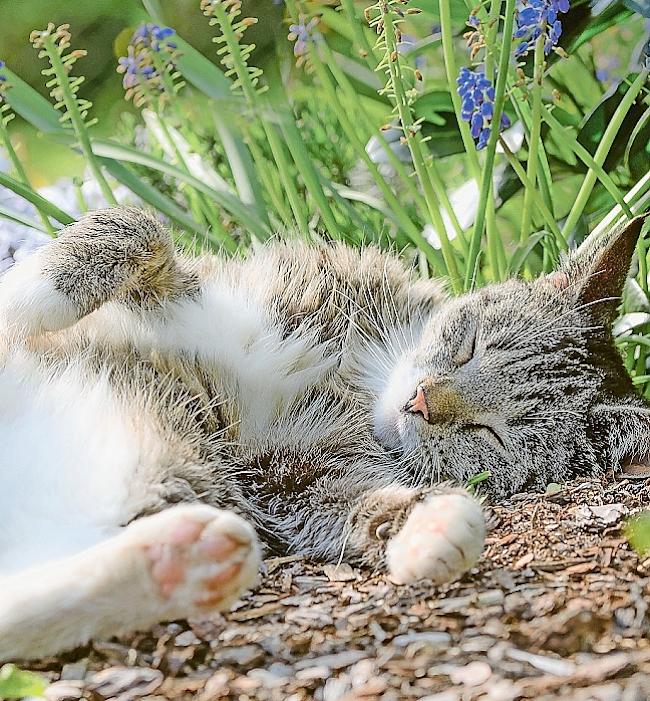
<point x="198" y="556"/>
<point x="441" y="539"/>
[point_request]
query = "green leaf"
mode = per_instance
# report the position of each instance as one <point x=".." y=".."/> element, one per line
<point x="437" y="111"/>
<point x="596" y="122"/>
<point x="31" y="196"/>
<point x="524" y="249"/>
<point x="478" y="478"/>
<point x="119" y="152"/>
<point x="18" y="218"/>
<point x="206" y="77"/>
<point x="16" y="684"/>
<point x="638" y="530"/>
<point x="32" y="106"/>
<point x="430" y="105"/>
<point x="152" y="196"/>
<point x="553" y="488"/>
<point x="612" y="15"/>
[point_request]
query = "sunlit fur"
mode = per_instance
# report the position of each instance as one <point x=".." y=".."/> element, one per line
<point x="276" y="386"/>
<point x="522" y="379"/>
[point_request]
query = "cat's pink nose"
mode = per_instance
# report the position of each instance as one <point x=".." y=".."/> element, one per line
<point x="418" y="403"/>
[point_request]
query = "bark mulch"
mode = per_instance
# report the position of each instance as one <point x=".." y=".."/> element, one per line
<point x="557" y="608"/>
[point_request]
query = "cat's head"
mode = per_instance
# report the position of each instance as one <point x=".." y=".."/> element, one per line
<point x="522" y="379"/>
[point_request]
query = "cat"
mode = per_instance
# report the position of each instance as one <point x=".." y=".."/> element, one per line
<point x="166" y="419"/>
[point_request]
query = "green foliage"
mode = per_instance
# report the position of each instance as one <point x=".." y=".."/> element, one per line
<point x="356" y="131"/>
<point x="16" y="684"/>
<point x="638" y="532"/>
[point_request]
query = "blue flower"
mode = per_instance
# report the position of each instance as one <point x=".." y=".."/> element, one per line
<point x="302" y="33"/>
<point x="154" y="36"/>
<point x="136" y="67"/>
<point x="477" y="105"/>
<point x="3" y="78"/>
<point x="149" y="60"/>
<point x="537" y="17"/>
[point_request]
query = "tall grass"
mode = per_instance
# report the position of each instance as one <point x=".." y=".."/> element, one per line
<point x="386" y="112"/>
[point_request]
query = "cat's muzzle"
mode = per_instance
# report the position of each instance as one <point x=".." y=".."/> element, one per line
<point x="417" y="404"/>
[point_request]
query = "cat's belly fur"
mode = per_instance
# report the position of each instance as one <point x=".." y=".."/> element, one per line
<point x="69" y="454"/>
<point x="78" y="460"/>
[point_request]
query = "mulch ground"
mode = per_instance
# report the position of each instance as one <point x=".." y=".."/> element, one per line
<point x="557" y="608"/>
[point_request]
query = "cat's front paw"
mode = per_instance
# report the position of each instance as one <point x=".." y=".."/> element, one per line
<point x="441" y="539"/>
<point x="30" y="303"/>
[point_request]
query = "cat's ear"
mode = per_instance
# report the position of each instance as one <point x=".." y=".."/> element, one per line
<point x="625" y="428"/>
<point x="598" y="269"/>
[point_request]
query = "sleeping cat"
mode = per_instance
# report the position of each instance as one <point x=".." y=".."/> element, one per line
<point x="161" y="415"/>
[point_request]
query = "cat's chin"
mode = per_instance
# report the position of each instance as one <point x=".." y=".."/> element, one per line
<point x="393" y="428"/>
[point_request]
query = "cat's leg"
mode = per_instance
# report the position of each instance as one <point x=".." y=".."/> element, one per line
<point x="436" y="533"/>
<point x="113" y="254"/>
<point x="181" y="562"/>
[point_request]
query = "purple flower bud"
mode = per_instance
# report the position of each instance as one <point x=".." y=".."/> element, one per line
<point x="483" y="139"/>
<point x="537" y="16"/>
<point x="476" y="125"/>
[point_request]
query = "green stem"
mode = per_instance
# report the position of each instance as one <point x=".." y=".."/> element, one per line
<point x="536" y="198"/>
<point x="22" y="175"/>
<point x="256" y="105"/>
<point x="495" y="251"/>
<point x="75" y="117"/>
<point x="404" y="112"/>
<point x="296" y="202"/>
<point x="486" y="183"/>
<point x="363" y="45"/>
<point x="270" y="179"/>
<point x="412" y="231"/>
<point x="451" y="70"/>
<point x="535" y="134"/>
<point x="308" y="171"/>
<point x="603" y="149"/>
<point x="561" y="133"/>
<point x="400" y="170"/>
<point x="203" y="208"/>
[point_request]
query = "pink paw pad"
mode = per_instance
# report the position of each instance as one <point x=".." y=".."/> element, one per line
<point x="442" y="538"/>
<point x="195" y="559"/>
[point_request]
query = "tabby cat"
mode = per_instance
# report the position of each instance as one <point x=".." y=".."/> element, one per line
<point x="166" y="419"/>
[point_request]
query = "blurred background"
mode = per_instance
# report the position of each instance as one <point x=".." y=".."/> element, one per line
<point x="104" y="28"/>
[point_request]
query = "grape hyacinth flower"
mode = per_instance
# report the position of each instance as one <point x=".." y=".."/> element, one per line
<point x="155" y="37"/>
<point x="537" y="17"/>
<point x="302" y="33"/>
<point x="149" y="63"/>
<point x="477" y="95"/>
<point x="135" y="67"/>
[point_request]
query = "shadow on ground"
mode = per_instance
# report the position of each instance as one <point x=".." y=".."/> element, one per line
<point x="558" y="607"/>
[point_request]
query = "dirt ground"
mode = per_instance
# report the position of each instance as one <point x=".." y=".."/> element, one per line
<point x="557" y="608"/>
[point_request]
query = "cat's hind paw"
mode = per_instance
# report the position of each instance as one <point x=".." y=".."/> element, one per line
<point x="441" y="539"/>
<point x="197" y="557"/>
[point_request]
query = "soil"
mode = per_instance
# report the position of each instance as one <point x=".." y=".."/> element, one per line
<point x="556" y="608"/>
